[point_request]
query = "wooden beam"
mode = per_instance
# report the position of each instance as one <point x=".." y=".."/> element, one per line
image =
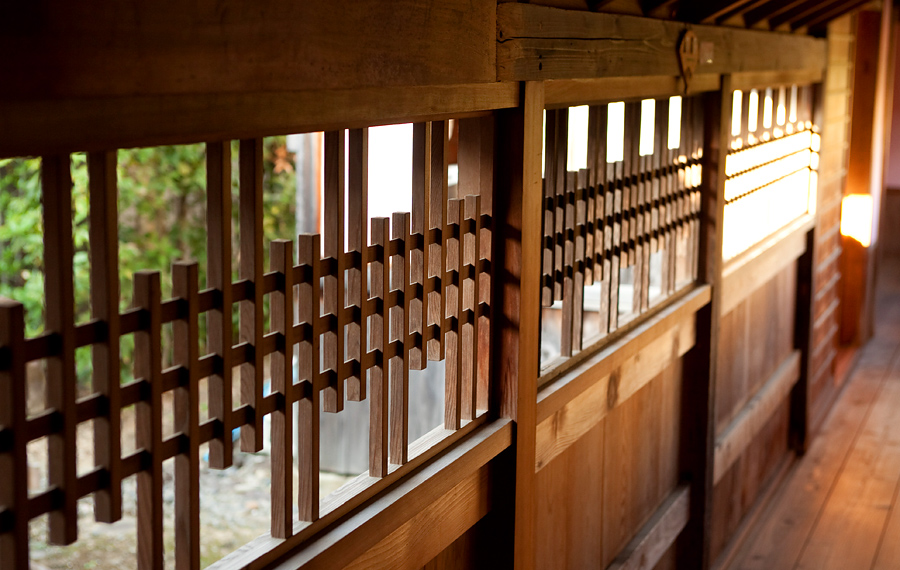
<point x="822" y="17"/>
<point x="800" y="11"/>
<point x="745" y="274"/>
<point x="65" y="49"/>
<point x="657" y="535"/>
<point x="709" y="11"/>
<point x="540" y="43"/>
<point x="732" y="442"/>
<point x="44" y="125"/>
<point x="763" y="79"/>
<point x="699" y="376"/>
<point x="450" y="484"/>
<point x="739" y="10"/>
<point x="567" y="92"/>
<point x="769" y="10"/>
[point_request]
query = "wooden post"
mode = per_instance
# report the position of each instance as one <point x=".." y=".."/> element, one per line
<point x="311" y="379"/>
<point x="699" y="377"/>
<point x="799" y="422"/>
<point x="517" y="299"/>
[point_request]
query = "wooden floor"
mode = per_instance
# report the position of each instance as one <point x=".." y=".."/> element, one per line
<point x="839" y="506"/>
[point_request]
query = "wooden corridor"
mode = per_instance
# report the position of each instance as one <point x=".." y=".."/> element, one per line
<point x="838" y="507"/>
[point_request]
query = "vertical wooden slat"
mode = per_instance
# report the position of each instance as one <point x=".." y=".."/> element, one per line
<point x="436" y="239"/>
<point x="697" y="126"/>
<point x="56" y="178"/>
<point x="636" y="239"/>
<point x="310" y="378"/>
<point x="471" y="293"/>
<point x="218" y="277"/>
<point x="13" y="412"/>
<point x="186" y="335"/>
<point x="568" y="260"/>
<point x="104" y="243"/>
<point x="333" y="340"/>
<point x="281" y="303"/>
<point x="549" y="210"/>
<point x="357" y="274"/>
<point x="562" y="150"/>
<point x="581" y="188"/>
<point x="615" y="177"/>
<point x="453" y="294"/>
<point x="399" y="369"/>
<point x="379" y="340"/>
<point x="421" y="227"/>
<point x="148" y="422"/>
<point x="251" y="311"/>
<point x="476" y="178"/>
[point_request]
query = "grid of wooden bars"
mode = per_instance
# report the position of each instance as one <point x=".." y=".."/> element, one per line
<point x="366" y="309"/>
<point x="612" y="216"/>
<point x="770" y="166"/>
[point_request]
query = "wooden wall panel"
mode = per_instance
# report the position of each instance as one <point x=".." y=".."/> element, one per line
<point x="756" y="337"/>
<point x="168" y="47"/>
<point x="595" y="496"/>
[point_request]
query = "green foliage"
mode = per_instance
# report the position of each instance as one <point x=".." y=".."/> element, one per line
<point x="162" y="219"/>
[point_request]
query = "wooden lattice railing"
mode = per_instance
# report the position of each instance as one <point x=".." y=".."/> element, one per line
<point x="620" y="210"/>
<point x="771" y="165"/>
<point x="367" y="312"/>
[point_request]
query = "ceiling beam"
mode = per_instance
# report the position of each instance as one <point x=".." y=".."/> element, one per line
<point x="823" y="17"/>
<point x="800" y="12"/>
<point x="710" y="11"/>
<point x="739" y="10"/>
<point x="769" y="10"/>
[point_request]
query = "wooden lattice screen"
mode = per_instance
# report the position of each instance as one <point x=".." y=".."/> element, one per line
<point x="771" y="164"/>
<point x="613" y="214"/>
<point x="418" y="290"/>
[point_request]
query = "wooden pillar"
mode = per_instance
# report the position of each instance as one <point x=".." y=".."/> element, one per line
<point x="699" y="378"/>
<point x="517" y="254"/>
<point x="803" y="324"/>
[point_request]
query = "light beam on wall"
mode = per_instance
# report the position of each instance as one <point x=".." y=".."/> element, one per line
<point x="856" y="218"/>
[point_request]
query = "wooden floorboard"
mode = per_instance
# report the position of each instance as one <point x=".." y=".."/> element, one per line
<point x="838" y="508"/>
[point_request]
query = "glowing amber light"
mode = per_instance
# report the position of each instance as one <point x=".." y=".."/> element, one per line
<point x="856" y="218"/>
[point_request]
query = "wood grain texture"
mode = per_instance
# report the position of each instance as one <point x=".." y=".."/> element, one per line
<point x="540" y="43"/>
<point x="758" y="265"/>
<point x="310" y="378"/>
<point x="380" y="339"/>
<point x="218" y="276"/>
<point x="186" y="337"/>
<point x="399" y="320"/>
<point x="56" y="185"/>
<point x="13" y="414"/>
<point x="251" y="269"/>
<point x="566" y="92"/>
<point x="611" y="384"/>
<point x="281" y="306"/>
<point x="219" y="50"/>
<point x="432" y="529"/>
<point x="104" y="243"/>
<point x="357" y="274"/>
<point x="148" y="423"/>
<point x="732" y="442"/>
<point x="333" y="285"/>
<point x="646" y="549"/>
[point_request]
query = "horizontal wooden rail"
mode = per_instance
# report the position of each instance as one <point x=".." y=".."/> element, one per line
<point x="657" y="535"/>
<point x="564" y="92"/>
<point x="539" y="43"/>
<point x="378" y="519"/>
<point x="750" y="270"/>
<point x="572" y="405"/>
<point x="744" y="81"/>
<point x="39" y="126"/>
<point x="732" y="442"/>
